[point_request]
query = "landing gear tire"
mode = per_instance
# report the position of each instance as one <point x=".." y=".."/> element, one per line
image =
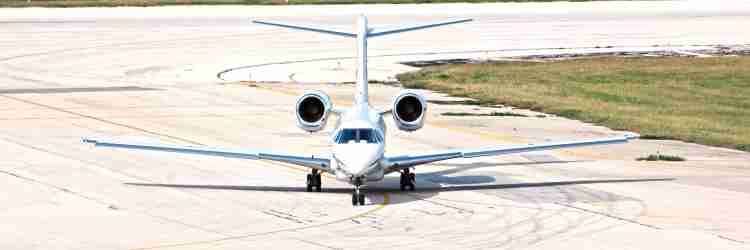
<point x="412" y="180"/>
<point x="314" y="181"/>
<point x="309" y="183"/>
<point x="408" y="180"/>
<point x="318" y="183"/>
<point x="358" y="198"/>
<point x="403" y="183"/>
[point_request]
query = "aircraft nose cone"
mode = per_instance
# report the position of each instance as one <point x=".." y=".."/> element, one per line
<point x="357" y="157"/>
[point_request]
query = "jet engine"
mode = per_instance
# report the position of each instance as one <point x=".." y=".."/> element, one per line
<point x="409" y="108"/>
<point x="312" y="109"/>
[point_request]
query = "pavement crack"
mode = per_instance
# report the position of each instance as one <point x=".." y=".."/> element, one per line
<point x="607" y="215"/>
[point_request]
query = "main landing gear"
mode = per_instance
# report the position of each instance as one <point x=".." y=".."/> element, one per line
<point x="407" y="180"/>
<point x="313" y="181"/>
<point x="358" y="197"/>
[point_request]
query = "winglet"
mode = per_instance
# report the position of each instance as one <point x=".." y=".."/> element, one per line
<point x="92" y="141"/>
<point x="632" y="136"/>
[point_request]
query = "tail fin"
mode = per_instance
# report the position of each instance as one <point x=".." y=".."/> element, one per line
<point x="363" y="33"/>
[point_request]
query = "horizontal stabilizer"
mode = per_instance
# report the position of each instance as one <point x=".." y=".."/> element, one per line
<point x="307" y="28"/>
<point x="377" y="32"/>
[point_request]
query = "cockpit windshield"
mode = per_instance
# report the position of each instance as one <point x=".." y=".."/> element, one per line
<point x="358" y="135"/>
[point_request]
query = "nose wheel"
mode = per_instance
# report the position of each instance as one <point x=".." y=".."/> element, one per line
<point x="314" y="181"/>
<point x="407" y="180"/>
<point x="358" y="197"/>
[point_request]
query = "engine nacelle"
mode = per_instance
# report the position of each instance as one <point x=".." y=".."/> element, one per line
<point x="312" y="110"/>
<point x="409" y="109"/>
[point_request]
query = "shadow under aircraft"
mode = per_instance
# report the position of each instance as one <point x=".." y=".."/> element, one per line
<point x="397" y="190"/>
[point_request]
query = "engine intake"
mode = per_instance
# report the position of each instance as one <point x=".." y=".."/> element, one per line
<point x="312" y="109"/>
<point x="409" y="108"/>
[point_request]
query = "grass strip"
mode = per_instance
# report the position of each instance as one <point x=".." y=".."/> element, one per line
<point x="701" y="100"/>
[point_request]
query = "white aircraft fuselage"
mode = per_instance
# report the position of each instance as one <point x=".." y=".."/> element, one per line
<point x="358" y="162"/>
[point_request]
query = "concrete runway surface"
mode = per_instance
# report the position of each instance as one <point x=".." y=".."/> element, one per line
<point x="150" y="74"/>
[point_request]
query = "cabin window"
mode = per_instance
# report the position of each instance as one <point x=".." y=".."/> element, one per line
<point x="358" y="135"/>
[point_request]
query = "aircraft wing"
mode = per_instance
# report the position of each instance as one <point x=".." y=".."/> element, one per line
<point x="406" y="161"/>
<point x="306" y="161"/>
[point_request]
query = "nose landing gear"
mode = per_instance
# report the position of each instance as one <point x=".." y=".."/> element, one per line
<point x="407" y="180"/>
<point x="314" y="181"/>
<point x="358" y="197"/>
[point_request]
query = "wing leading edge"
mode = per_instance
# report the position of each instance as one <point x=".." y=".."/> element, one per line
<point x="311" y="161"/>
<point x="401" y="162"/>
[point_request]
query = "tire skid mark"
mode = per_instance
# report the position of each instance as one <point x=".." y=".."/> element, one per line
<point x="578" y="222"/>
<point x="540" y="236"/>
<point x="386" y="200"/>
<point x="609" y="215"/>
<point x="611" y="205"/>
<point x="534" y="219"/>
<point x="489" y="232"/>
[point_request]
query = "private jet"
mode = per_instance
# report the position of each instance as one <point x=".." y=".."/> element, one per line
<point x="357" y="152"/>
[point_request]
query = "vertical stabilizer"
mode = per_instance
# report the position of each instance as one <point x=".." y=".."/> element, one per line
<point x="362" y="89"/>
<point x="363" y="33"/>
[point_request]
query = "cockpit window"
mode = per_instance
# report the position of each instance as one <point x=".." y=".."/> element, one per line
<point x="358" y="135"/>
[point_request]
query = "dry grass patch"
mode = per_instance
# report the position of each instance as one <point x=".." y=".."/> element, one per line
<point x="702" y="100"/>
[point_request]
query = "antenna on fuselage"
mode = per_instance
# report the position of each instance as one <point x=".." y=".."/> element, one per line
<point x="363" y="33"/>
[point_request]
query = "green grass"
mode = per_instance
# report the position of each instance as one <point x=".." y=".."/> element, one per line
<point x="111" y="3"/>
<point x="660" y="157"/>
<point x="701" y="100"/>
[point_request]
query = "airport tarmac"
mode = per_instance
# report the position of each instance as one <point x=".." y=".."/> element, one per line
<point x="150" y="74"/>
